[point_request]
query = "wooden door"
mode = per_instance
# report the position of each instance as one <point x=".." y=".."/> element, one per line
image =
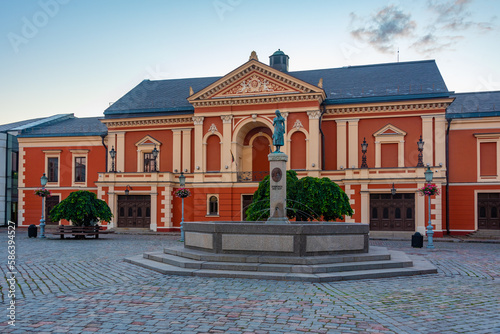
<point x="134" y="211"/>
<point x="50" y="202"/>
<point x="392" y="212"/>
<point x="488" y="211"/>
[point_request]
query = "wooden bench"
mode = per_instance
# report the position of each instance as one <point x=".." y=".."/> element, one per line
<point x="80" y="231"/>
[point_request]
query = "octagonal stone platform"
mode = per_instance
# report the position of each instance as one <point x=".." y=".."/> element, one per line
<point x="294" y="239"/>
<point x="313" y="252"/>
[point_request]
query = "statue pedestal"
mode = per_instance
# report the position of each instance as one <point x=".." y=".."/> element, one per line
<point x="277" y="168"/>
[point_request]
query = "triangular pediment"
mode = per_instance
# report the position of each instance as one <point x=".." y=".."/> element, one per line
<point x="255" y="79"/>
<point x="148" y="140"/>
<point x="389" y="130"/>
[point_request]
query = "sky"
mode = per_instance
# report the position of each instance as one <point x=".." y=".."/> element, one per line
<point x="78" y="56"/>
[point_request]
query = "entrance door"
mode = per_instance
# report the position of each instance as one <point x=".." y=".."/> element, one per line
<point x="260" y="161"/>
<point x="488" y="211"/>
<point x="245" y="203"/>
<point x="50" y="203"/>
<point x="392" y="212"/>
<point x="134" y="211"/>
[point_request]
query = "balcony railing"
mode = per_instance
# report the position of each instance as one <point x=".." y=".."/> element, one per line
<point x="252" y="176"/>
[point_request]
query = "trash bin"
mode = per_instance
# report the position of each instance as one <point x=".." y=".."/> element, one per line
<point x="417" y="240"/>
<point x="32" y="231"/>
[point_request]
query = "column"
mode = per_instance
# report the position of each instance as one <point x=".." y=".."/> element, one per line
<point x="440" y="139"/>
<point x="166" y="207"/>
<point x="227" y="121"/>
<point x="154" y="208"/>
<point x="120" y="152"/>
<point x="111" y="143"/>
<point x="186" y="150"/>
<point x="176" y="159"/>
<point x="353" y="143"/>
<point x="427" y="137"/>
<point x="365" y="204"/>
<point x="314" y="143"/>
<point x="420" y="217"/>
<point x="113" y="205"/>
<point x="198" y="148"/>
<point x="341" y="143"/>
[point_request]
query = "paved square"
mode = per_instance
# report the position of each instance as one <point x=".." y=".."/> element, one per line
<point x="75" y="286"/>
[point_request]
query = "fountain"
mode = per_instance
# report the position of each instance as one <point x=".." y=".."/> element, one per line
<point x="278" y="248"/>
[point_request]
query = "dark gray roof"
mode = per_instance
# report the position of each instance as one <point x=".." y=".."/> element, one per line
<point x="89" y="126"/>
<point x="159" y="96"/>
<point x="405" y="80"/>
<point x="11" y="126"/>
<point x="416" y="79"/>
<point x="477" y="104"/>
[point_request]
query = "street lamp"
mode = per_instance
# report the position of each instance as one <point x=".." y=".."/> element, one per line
<point x="182" y="182"/>
<point x="155" y="154"/>
<point x="428" y="178"/>
<point x="43" y="182"/>
<point x="420" y="145"/>
<point x="127" y="191"/>
<point x="364" y="148"/>
<point x="393" y="190"/>
<point x="112" y="153"/>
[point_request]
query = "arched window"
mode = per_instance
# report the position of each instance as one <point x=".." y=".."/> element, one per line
<point x="213" y="154"/>
<point x="298" y="151"/>
<point x="213" y="206"/>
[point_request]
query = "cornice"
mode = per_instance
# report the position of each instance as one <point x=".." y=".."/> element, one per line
<point x="342" y="110"/>
<point x="259" y="100"/>
<point x="142" y="122"/>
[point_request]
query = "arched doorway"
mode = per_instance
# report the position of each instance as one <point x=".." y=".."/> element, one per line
<point x="252" y="144"/>
<point x="260" y="162"/>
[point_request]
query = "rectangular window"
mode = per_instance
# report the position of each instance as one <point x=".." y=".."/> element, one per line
<point x="488" y="159"/>
<point x="53" y="169"/>
<point x="15" y="157"/>
<point x="389" y="155"/>
<point x="149" y="162"/>
<point x="80" y="164"/>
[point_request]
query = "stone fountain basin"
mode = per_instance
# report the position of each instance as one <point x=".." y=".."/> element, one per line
<point x="263" y="238"/>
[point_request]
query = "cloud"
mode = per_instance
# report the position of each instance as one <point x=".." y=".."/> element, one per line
<point x="384" y="27"/>
<point x="444" y="27"/>
<point x="430" y="43"/>
<point x="455" y="15"/>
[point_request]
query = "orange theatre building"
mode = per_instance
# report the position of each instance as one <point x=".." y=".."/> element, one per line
<point x="372" y="129"/>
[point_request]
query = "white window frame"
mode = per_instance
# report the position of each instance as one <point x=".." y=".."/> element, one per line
<point x="53" y="154"/>
<point x="79" y="154"/>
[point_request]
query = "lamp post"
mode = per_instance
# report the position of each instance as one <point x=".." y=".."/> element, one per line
<point x="393" y="190"/>
<point x="112" y="153"/>
<point x="364" y="148"/>
<point x="155" y="154"/>
<point x="428" y="178"/>
<point x="420" y="145"/>
<point x="127" y="191"/>
<point x="182" y="182"/>
<point x="43" y="182"/>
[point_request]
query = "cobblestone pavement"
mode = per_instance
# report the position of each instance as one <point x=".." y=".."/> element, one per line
<point x="78" y="286"/>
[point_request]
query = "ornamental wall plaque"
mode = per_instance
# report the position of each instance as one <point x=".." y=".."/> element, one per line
<point x="276" y="174"/>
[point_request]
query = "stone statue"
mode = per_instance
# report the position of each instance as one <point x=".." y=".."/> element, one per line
<point x="279" y="131"/>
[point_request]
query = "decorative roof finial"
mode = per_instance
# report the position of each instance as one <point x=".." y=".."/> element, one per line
<point x="320" y="83"/>
<point x="191" y="91"/>
<point x="253" y="55"/>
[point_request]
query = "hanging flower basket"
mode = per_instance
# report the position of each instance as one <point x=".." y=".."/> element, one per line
<point x="182" y="193"/>
<point x="42" y="192"/>
<point x="429" y="189"/>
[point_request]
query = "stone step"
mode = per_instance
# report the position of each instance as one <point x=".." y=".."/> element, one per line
<point x="182" y="262"/>
<point x="420" y="266"/>
<point x="375" y="254"/>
